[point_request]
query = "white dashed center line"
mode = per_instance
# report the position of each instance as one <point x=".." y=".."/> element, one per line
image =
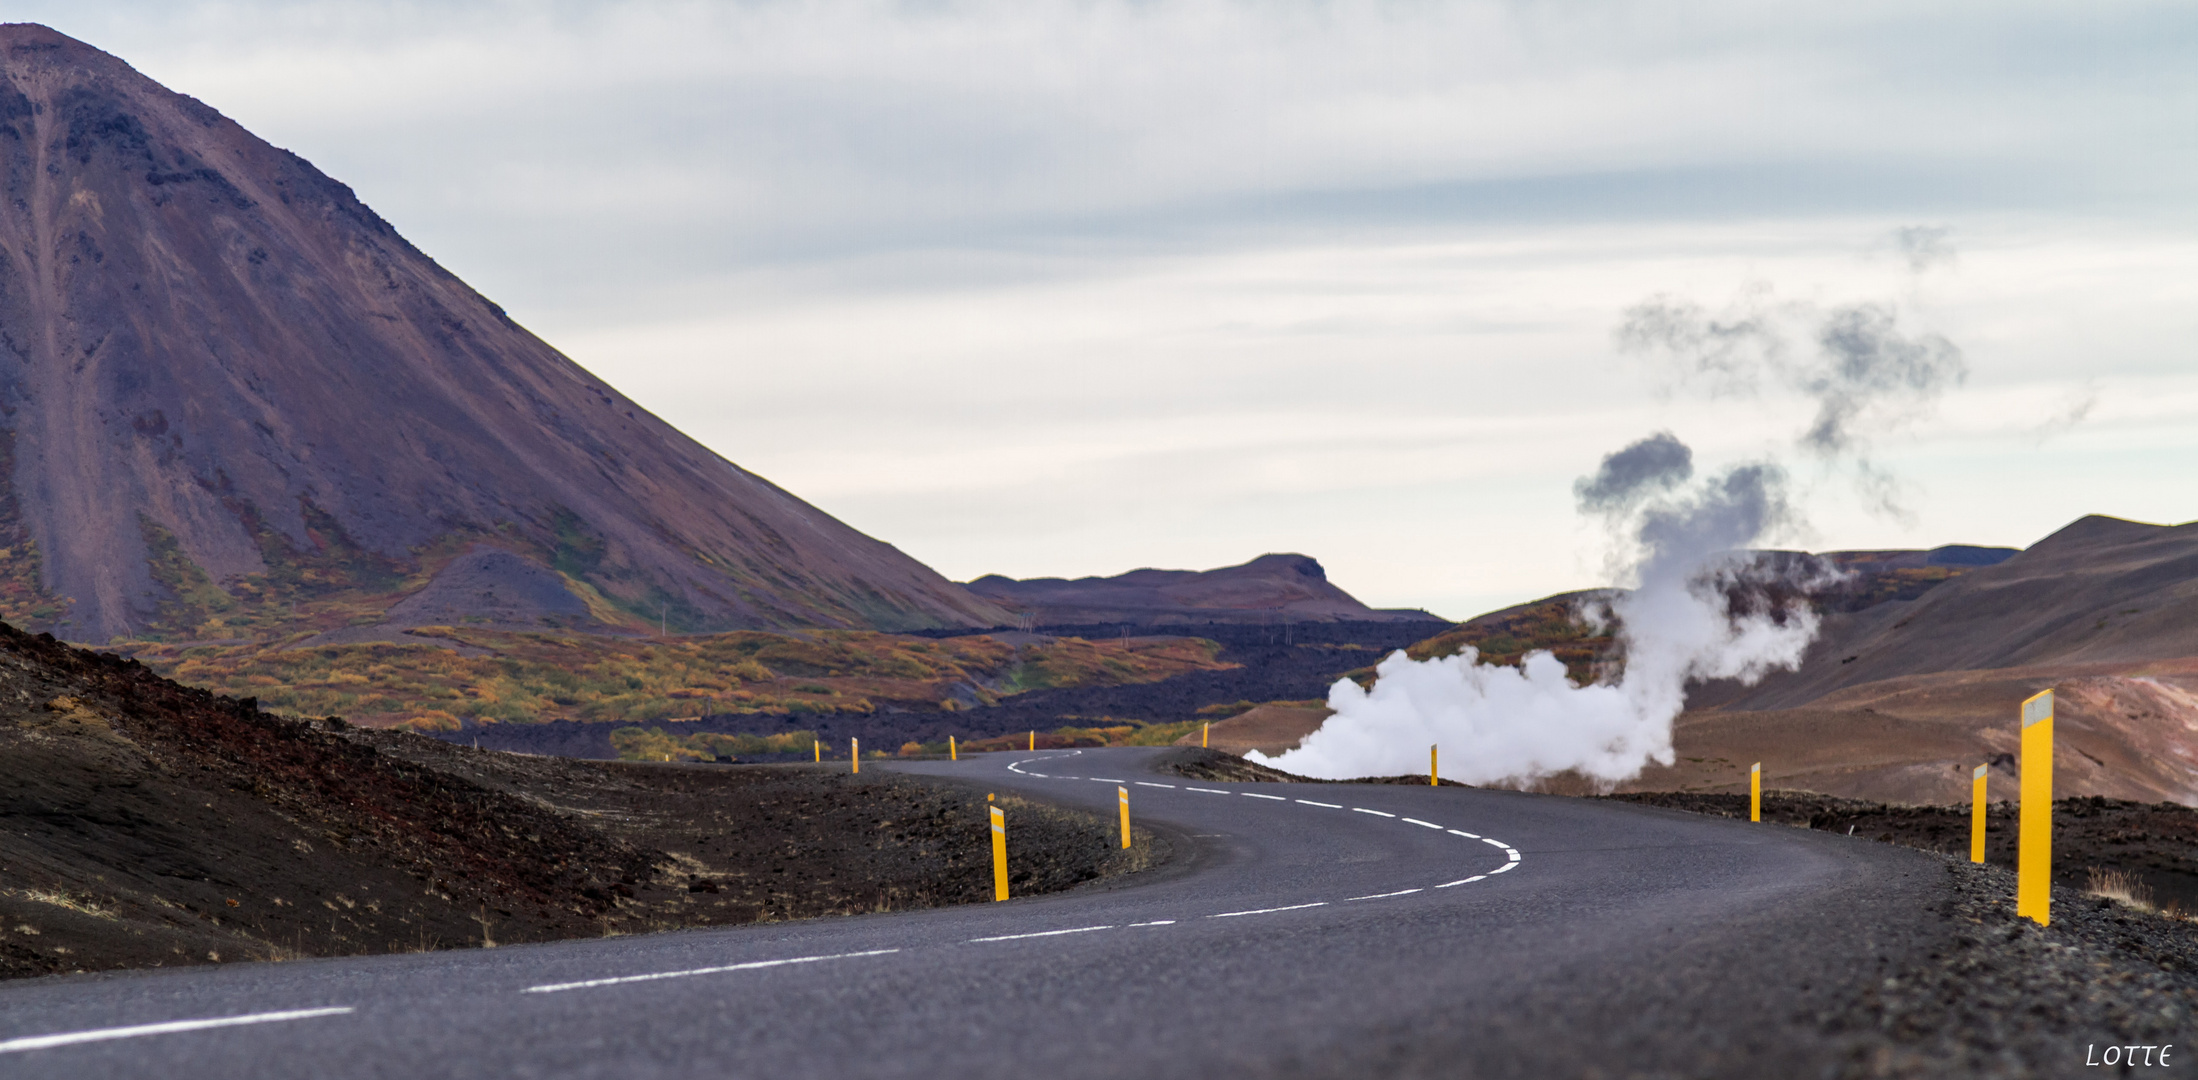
<point x="1041" y="933"/>
<point x="551" y="988"/>
<point x="1511" y="857"/>
<point x="171" y="1027"/>
<point x="1268" y="911"/>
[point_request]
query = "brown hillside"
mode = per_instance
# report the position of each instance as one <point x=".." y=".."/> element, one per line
<point x="1270" y="729"/>
<point x="239" y="402"/>
<point x="2101" y="590"/>
<point x="1899" y="701"/>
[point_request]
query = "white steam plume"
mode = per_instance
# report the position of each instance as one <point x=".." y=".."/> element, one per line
<point x="1702" y="606"/>
<point x="1866" y="375"/>
<point x="1700" y="609"/>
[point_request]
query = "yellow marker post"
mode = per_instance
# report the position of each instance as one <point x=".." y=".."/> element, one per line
<point x="1755" y="792"/>
<point x="2034" y="847"/>
<point x="1123" y="793"/>
<point x="1205" y="734"/>
<point x="1976" y="815"/>
<point x="952" y="754"/>
<point x="819" y="746"/>
<point x="1034" y="740"/>
<point x="1431" y="766"/>
<point x="854" y="751"/>
<point x="999" y="854"/>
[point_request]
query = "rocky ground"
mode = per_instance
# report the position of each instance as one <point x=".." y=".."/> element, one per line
<point x="2155" y="845"/>
<point x="2009" y="998"/>
<point x="143" y="823"/>
<point x="2005" y="997"/>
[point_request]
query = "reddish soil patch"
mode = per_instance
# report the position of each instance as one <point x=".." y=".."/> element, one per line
<point x="1202" y="763"/>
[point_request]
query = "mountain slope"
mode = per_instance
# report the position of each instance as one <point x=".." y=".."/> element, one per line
<point x="236" y="400"/>
<point x="2100" y="590"/>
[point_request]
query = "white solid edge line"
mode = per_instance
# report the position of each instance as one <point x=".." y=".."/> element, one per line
<point x="1268" y="910"/>
<point x="42" y="1042"/>
<point x="1386" y="895"/>
<point x="1460" y="832"/>
<point x="1256" y="795"/>
<point x="1041" y="933"/>
<point x="1466" y="881"/>
<point x="1422" y="824"/>
<point x="1503" y="868"/>
<point x="1148" y="783"/>
<point x="551" y="988"/>
<point x="1155" y="922"/>
<point x="1363" y="810"/>
<point x="1329" y="805"/>
<point x="1207" y="790"/>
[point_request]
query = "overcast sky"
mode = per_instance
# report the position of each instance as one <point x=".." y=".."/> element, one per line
<point x="1046" y="288"/>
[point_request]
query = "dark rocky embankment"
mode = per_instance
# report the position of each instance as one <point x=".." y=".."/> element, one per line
<point x="143" y="823"/>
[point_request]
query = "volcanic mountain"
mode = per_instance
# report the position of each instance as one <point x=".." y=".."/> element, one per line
<point x="236" y="403"/>
<point x="1271" y="587"/>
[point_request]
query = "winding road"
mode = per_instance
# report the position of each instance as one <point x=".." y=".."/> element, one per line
<point x="1301" y="930"/>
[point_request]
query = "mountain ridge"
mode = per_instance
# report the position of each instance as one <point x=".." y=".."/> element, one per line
<point x="1272" y="586"/>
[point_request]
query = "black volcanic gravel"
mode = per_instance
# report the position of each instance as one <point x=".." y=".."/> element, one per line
<point x="2001" y="996"/>
<point x="2009" y="998"/>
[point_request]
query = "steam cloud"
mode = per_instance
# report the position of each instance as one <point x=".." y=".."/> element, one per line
<point x="1865" y="376"/>
<point x="1659" y="461"/>
<point x="1702" y="605"/>
<point x="1699" y="610"/>
<point x="1924" y="246"/>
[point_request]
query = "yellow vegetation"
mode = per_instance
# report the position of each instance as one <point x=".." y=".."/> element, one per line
<point x="509" y="677"/>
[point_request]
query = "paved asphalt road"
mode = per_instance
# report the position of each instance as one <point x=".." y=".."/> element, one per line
<point x="1370" y="936"/>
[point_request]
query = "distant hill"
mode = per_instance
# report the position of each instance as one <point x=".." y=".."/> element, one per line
<point x="2099" y="590"/>
<point x="237" y="404"/>
<point x="1900" y="700"/>
<point x="1271" y="588"/>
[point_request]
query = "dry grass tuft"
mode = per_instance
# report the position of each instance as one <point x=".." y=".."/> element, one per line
<point x="2122" y="887"/>
<point x="64" y="900"/>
